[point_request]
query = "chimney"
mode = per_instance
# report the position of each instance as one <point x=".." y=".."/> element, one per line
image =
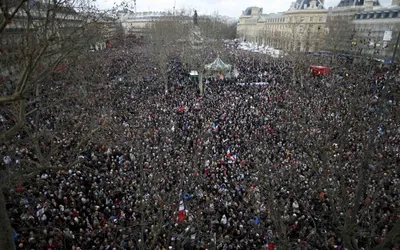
<point x="313" y="4"/>
<point x="369" y="3"/>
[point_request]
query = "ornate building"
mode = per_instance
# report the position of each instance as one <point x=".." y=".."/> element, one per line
<point x="67" y="26"/>
<point x="273" y="29"/>
<point x="249" y="27"/>
<point x="140" y="23"/>
<point x="356" y="27"/>
<point x="300" y="28"/>
<point x="305" y="29"/>
<point x="376" y="31"/>
<point x="366" y="29"/>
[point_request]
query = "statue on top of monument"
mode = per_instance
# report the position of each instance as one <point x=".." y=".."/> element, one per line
<point x="195" y="18"/>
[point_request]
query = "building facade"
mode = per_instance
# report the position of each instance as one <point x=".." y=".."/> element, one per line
<point x="305" y="26"/>
<point x="357" y="27"/>
<point x="67" y="28"/>
<point x="376" y="32"/>
<point x="272" y="31"/>
<point x="249" y="28"/>
<point x="300" y="28"/>
<point x="140" y="23"/>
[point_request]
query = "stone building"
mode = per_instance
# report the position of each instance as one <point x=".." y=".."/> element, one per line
<point x="249" y="27"/>
<point x="254" y="26"/>
<point x="363" y="28"/>
<point x="23" y="34"/>
<point x="376" y="31"/>
<point x="300" y="28"/>
<point x="69" y="26"/>
<point x="273" y="29"/>
<point x="140" y="22"/>
<point x="353" y="27"/>
<point x="305" y="26"/>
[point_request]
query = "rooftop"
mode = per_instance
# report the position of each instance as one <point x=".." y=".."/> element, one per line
<point x="251" y="11"/>
<point x="382" y="9"/>
<point x="347" y="3"/>
<point x="304" y="4"/>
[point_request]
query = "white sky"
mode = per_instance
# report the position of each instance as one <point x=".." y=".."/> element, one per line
<point x="231" y="8"/>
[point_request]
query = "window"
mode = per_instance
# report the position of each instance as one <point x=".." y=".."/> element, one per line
<point x="311" y="19"/>
<point x="301" y="28"/>
<point x="302" y="19"/>
<point x="320" y="19"/>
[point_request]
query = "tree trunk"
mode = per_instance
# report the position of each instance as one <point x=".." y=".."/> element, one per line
<point x="201" y="86"/>
<point x="166" y="85"/>
<point x="6" y="232"/>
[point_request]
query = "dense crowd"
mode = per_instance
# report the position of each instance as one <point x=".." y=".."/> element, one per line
<point x="232" y="156"/>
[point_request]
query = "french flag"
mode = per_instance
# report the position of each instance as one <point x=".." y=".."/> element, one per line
<point x="228" y="153"/>
<point x="181" y="212"/>
<point x="215" y="126"/>
<point x="234" y="157"/>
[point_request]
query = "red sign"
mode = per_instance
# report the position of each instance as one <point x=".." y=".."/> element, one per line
<point x="319" y="70"/>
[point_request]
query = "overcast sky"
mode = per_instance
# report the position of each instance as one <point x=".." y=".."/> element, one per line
<point x="232" y="8"/>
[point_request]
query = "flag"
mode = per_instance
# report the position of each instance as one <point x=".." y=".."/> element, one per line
<point x="15" y="235"/>
<point x="181" y="212"/>
<point x="228" y="152"/>
<point x="215" y="126"/>
<point x="256" y="220"/>
<point x="234" y="157"/>
<point x="40" y="212"/>
<point x="186" y="197"/>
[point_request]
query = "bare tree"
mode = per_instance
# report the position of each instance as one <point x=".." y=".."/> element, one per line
<point x="339" y="35"/>
<point x="338" y="131"/>
<point x="165" y="35"/>
<point x="52" y="37"/>
<point x="294" y="37"/>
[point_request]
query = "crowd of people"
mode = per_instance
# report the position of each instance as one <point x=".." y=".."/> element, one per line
<point x="244" y="167"/>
